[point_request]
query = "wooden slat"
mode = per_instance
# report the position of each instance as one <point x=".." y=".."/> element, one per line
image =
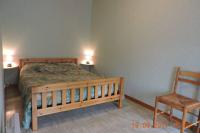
<point x="116" y="87"/>
<point x="109" y="89"/>
<point x="79" y="84"/>
<point x="103" y="91"/>
<point x="61" y="108"/>
<point x="190" y="74"/>
<point x="175" y="82"/>
<point x="102" y="81"/>
<point x="64" y="97"/>
<point x="72" y="95"/>
<point x="89" y="93"/>
<point x="45" y="60"/>
<point x="54" y="98"/>
<point x="96" y="91"/>
<point x="190" y="125"/>
<point x="57" y="86"/>
<point x="74" y="105"/>
<point x="44" y="100"/>
<point x="189" y="81"/>
<point x="81" y="94"/>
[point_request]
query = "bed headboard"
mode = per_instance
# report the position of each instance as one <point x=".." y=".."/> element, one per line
<point x="46" y="60"/>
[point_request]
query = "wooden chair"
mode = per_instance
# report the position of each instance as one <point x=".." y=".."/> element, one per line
<point x="180" y="102"/>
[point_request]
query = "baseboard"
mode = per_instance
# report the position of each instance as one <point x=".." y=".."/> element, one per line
<point x="152" y="109"/>
<point x="140" y="102"/>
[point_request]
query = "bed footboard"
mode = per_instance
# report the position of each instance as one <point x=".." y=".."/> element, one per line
<point x="110" y="83"/>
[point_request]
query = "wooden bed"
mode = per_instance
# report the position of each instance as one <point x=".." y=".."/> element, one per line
<point x="118" y="83"/>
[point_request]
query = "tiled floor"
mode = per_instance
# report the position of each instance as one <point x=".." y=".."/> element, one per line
<point x="105" y="118"/>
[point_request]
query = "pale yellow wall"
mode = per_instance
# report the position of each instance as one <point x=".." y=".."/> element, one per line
<point x="143" y="40"/>
<point x="46" y="28"/>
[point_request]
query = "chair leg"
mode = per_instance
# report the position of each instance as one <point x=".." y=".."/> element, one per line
<point x="183" y="121"/>
<point x="155" y="114"/>
<point x="171" y="114"/>
<point x="198" y="130"/>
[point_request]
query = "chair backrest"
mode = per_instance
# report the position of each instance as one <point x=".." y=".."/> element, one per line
<point x="186" y="77"/>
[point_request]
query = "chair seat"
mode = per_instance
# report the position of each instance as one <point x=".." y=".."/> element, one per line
<point x="178" y="101"/>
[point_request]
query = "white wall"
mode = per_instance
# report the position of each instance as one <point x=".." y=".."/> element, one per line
<point x="139" y="39"/>
<point x="46" y="28"/>
<point x="143" y="40"/>
<point x="2" y="129"/>
<point x="1" y="90"/>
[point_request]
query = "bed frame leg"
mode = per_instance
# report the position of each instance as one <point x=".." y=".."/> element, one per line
<point x="34" y="113"/>
<point x="121" y="93"/>
<point x="120" y="103"/>
<point x="34" y="123"/>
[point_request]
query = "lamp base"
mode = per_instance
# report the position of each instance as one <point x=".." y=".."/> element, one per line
<point x="88" y="62"/>
<point x="9" y="65"/>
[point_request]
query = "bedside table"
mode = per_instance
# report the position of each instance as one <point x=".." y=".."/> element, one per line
<point x="87" y="67"/>
<point x="11" y="75"/>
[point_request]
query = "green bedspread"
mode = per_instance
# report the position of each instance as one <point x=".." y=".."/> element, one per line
<point x="37" y="74"/>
